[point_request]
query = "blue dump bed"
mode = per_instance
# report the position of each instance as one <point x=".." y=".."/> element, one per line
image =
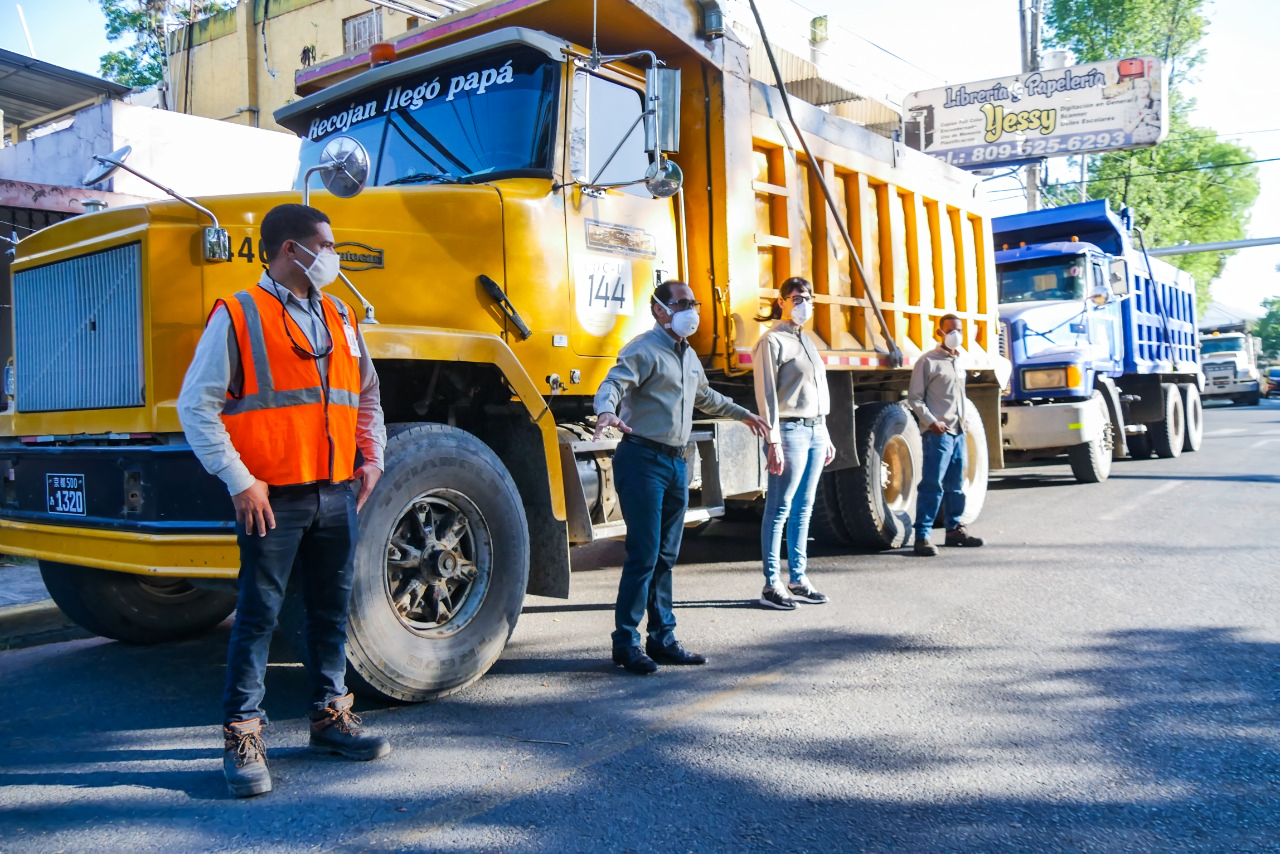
<point x="1158" y="318"/>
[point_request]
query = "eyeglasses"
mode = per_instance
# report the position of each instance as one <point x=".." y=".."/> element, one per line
<point x="303" y="352"/>
<point x="684" y="304"/>
<point x="799" y="299"/>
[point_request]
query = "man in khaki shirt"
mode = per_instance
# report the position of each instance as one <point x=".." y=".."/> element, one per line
<point x="936" y="396"/>
<point x="650" y="395"/>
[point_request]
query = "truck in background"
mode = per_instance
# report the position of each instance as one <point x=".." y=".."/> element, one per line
<point x="1230" y="357"/>
<point x="523" y="199"/>
<point x="1102" y="338"/>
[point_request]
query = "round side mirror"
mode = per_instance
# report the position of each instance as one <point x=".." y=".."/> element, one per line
<point x="345" y="167"/>
<point x="663" y="178"/>
<point x="105" y="166"/>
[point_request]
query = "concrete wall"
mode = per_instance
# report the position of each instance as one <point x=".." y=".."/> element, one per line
<point x="192" y="155"/>
<point x="229" y="70"/>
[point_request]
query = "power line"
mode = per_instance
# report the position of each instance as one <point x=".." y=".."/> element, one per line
<point x="1166" y="172"/>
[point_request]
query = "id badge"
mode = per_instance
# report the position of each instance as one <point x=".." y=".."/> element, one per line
<point x="353" y="343"/>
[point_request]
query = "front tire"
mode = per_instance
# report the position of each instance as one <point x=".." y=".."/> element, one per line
<point x="136" y="609"/>
<point x="877" y="499"/>
<point x="1091" y="462"/>
<point x="440" y="569"/>
<point x="1168" y="435"/>
<point x="1193" y="408"/>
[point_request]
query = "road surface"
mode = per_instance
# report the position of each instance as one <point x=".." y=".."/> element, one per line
<point x="1102" y="676"/>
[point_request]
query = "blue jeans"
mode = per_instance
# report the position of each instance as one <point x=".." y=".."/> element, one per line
<point x="789" y="500"/>
<point x="315" y="535"/>
<point x="654" y="492"/>
<point x="942" y="484"/>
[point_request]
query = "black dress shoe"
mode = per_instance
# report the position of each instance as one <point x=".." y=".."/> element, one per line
<point x="631" y="659"/>
<point x="673" y="653"/>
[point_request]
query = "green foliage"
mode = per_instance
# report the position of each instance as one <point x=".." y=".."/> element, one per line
<point x="1188" y="202"/>
<point x="1268" y="328"/>
<point x="141" y="23"/>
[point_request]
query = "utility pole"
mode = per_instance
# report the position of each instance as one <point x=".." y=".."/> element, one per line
<point x="1029" y="12"/>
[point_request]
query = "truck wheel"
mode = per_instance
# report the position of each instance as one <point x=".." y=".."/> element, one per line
<point x="1253" y="398"/>
<point x="440" y="569"/>
<point x="877" y="499"/>
<point x="137" y="609"/>
<point x="1091" y="462"/>
<point x="1168" y="435"/>
<point x="1193" y="409"/>
<point x="977" y="465"/>
<point x="825" y="524"/>
<point x="1140" y="446"/>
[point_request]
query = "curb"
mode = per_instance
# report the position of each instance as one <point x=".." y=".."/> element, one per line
<point x="34" y="624"/>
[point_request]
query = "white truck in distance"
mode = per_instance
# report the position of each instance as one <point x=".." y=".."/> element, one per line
<point x="1229" y="358"/>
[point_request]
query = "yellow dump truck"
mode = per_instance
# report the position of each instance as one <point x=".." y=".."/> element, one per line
<point x="506" y="199"/>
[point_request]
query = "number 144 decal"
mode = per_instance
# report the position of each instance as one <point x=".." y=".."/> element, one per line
<point x="603" y="285"/>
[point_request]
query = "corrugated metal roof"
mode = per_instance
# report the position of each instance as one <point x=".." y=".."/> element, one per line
<point x="30" y="89"/>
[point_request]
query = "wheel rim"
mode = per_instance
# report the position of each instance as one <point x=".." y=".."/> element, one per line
<point x="970" y="459"/>
<point x="897" y="473"/>
<point x="1179" y="427"/>
<point x="439" y="561"/>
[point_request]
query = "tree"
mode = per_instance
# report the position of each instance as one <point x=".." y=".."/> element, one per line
<point x="141" y="64"/>
<point x="1189" y="188"/>
<point x="1268" y="328"/>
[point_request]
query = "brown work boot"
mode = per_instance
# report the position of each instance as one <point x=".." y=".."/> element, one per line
<point x="960" y="536"/>
<point x="336" y="729"/>
<point x="244" y="759"/>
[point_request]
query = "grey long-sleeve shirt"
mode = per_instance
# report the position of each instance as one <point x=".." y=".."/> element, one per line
<point x="936" y="392"/>
<point x="790" y="378"/>
<point x="655" y="386"/>
<point x="216" y="368"/>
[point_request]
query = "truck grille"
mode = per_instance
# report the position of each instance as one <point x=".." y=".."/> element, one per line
<point x="78" y="326"/>
<point x="1004" y="340"/>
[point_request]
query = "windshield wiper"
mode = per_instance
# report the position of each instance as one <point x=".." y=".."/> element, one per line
<point x="441" y="177"/>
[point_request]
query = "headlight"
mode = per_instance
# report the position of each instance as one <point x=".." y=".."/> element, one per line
<point x="1068" y="376"/>
<point x="1251" y="373"/>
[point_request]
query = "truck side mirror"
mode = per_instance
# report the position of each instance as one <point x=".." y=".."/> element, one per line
<point x="662" y="96"/>
<point x="1119" y="277"/>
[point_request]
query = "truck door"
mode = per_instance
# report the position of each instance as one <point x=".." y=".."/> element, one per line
<point x="620" y="239"/>
<point x="1104" y="323"/>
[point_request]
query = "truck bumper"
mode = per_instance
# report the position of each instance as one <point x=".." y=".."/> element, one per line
<point x="179" y="555"/>
<point x="1225" y="388"/>
<point x="1051" y="425"/>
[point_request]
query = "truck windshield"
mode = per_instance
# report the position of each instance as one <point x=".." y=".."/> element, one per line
<point x="1221" y="345"/>
<point x="1043" y="279"/>
<point x="484" y="117"/>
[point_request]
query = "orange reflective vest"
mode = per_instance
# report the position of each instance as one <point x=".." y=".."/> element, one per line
<point x="288" y="427"/>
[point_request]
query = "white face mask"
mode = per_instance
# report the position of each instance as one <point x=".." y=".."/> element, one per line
<point x="683" y="323"/>
<point x="323" y="269"/>
<point x="952" y="340"/>
<point x="801" y="313"/>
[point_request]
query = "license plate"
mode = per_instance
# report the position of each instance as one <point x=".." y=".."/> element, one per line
<point x="66" y="493"/>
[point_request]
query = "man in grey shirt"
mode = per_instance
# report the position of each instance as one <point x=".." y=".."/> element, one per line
<point x="650" y="395"/>
<point x="936" y="396"/>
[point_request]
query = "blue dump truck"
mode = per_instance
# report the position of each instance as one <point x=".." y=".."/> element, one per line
<point x="1102" y="338"/>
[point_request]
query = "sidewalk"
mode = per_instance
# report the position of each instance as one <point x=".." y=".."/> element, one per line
<point x="28" y="616"/>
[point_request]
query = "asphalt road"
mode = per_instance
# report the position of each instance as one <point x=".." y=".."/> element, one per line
<point x="1102" y="676"/>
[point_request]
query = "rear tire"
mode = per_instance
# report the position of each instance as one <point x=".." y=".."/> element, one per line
<point x="825" y="524"/>
<point x="136" y="609"/>
<point x="401" y="648"/>
<point x="977" y="465"/>
<point x="1253" y="398"/>
<point x="1091" y="462"/>
<point x="1168" y="435"/>
<point x="877" y="499"/>
<point x="1194" y="412"/>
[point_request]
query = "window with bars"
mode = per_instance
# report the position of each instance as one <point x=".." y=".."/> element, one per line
<point x="361" y="31"/>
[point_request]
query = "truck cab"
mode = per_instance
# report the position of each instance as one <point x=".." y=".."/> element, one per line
<point x="1230" y="359"/>
<point x="1094" y="329"/>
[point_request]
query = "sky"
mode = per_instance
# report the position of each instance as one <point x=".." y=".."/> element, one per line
<point x="946" y="42"/>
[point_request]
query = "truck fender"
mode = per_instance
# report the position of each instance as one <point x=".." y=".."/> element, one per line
<point x="538" y="476"/>
<point x="1115" y="411"/>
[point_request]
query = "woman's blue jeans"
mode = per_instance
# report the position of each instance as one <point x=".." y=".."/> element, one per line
<point x="789" y="501"/>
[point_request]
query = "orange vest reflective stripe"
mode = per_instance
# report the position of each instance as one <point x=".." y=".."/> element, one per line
<point x="287" y="427"/>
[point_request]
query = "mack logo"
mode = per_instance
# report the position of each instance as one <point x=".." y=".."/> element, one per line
<point x="356" y="257"/>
